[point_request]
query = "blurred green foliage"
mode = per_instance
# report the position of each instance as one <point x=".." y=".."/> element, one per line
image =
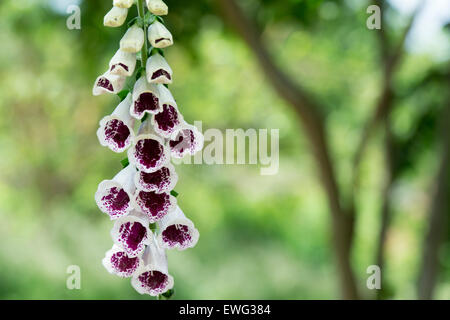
<point x="262" y="237"/>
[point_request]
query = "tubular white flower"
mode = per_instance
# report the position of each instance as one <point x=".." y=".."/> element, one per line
<point x="133" y="40"/>
<point x="145" y="99"/>
<point x="159" y="36"/>
<point x="116" y="130"/>
<point x="153" y="278"/>
<point x="157" y="7"/>
<point x="158" y="70"/>
<point x="154" y="205"/>
<point x="115" y="197"/>
<point x="159" y="181"/>
<point x="177" y="231"/>
<point x="122" y="63"/>
<point x="117" y="262"/>
<point x="186" y="139"/>
<point x="131" y="233"/>
<point x="108" y="83"/>
<point x="169" y="119"/>
<point x="115" y="17"/>
<point x="123" y="3"/>
<point x="148" y="152"/>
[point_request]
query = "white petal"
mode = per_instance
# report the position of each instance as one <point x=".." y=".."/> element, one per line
<point x="168" y="179"/>
<point x="122" y="114"/>
<point x="122" y="63"/>
<point x="157" y="7"/>
<point x="114" y="267"/>
<point x="156" y="63"/>
<point x="155" y="260"/>
<point x="159" y="36"/>
<point x="140" y="106"/>
<point x="120" y="233"/>
<point x="178" y="219"/>
<point x="115" y="17"/>
<point x="108" y="83"/>
<point x="123" y="181"/>
<point x="133" y="39"/>
<point x="123" y="3"/>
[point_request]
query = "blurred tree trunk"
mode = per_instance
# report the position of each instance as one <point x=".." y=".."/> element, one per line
<point x="313" y="123"/>
<point x="438" y="217"/>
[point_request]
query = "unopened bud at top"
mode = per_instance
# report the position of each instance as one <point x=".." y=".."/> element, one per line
<point x="115" y="17"/>
<point x="123" y="3"/>
<point x="157" y="7"/>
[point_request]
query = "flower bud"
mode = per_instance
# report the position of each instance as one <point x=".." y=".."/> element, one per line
<point x="115" y="17"/>
<point x="108" y="83"/>
<point x="145" y="99"/>
<point x="159" y="36"/>
<point x="131" y="233"/>
<point x="154" y="205"/>
<point x="158" y="70"/>
<point x="159" y="181"/>
<point x="148" y="152"/>
<point x="117" y="262"/>
<point x="123" y="3"/>
<point x="153" y="278"/>
<point x="177" y="231"/>
<point x="116" y="130"/>
<point x="122" y="63"/>
<point x="132" y="40"/>
<point x="157" y="7"/>
<point x="186" y="139"/>
<point x="114" y="197"/>
<point x="169" y="119"/>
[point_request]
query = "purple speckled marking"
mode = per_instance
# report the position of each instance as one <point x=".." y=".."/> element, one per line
<point x="158" y="180"/>
<point x="116" y="201"/>
<point x="117" y="133"/>
<point x="185" y="140"/>
<point x="167" y="119"/>
<point x="153" y="281"/>
<point x="149" y="153"/>
<point x="161" y="39"/>
<point x="124" y="264"/>
<point x="176" y="234"/>
<point x="154" y="204"/>
<point x="132" y="234"/>
<point x="119" y="64"/>
<point x="161" y="72"/>
<point x="146" y="102"/>
<point x="105" y="83"/>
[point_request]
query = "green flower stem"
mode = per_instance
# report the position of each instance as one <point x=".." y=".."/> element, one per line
<point x="144" y="51"/>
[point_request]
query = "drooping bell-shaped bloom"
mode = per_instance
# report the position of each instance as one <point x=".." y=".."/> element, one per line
<point x="108" y="83"/>
<point x="154" y="205"/>
<point x="133" y="40"/>
<point x="131" y="233"/>
<point x="115" y="17"/>
<point x="162" y="180"/>
<point x="158" y="70"/>
<point x="117" y="262"/>
<point x="157" y="7"/>
<point x="185" y="140"/>
<point x="123" y="3"/>
<point x="116" y="130"/>
<point x="153" y="278"/>
<point x="145" y="99"/>
<point x="177" y="231"/>
<point x="148" y="152"/>
<point x="122" y="63"/>
<point x="169" y="119"/>
<point x="159" y="36"/>
<point x="115" y="197"/>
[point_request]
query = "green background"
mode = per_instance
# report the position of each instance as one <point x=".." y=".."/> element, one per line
<point x="261" y="237"/>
